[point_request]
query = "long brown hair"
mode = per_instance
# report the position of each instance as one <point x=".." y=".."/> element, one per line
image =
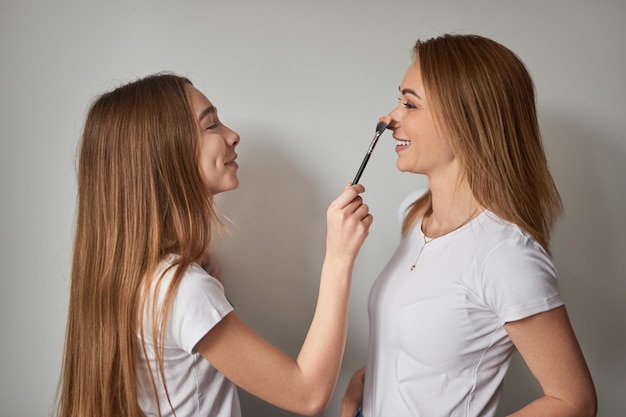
<point x="484" y="100"/>
<point x="140" y="197"/>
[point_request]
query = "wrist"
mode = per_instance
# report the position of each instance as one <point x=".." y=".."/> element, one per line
<point x="340" y="261"/>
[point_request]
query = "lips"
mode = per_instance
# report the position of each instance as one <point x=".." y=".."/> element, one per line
<point x="232" y="162"/>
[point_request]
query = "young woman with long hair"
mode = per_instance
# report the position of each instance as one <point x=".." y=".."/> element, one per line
<point x="149" y="331"/>
<point x="471" y="279"/>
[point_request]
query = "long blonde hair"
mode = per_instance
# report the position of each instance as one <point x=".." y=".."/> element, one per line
<point x="484" y="100"/>
<point x="140" y="197"/>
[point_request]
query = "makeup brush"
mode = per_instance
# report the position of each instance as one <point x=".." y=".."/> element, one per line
<point x="380" y="128"/>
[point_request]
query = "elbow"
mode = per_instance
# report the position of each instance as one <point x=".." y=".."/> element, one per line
<point x="587" y="410"/>
<point x="314" y="412"/>
<point x="315" y="408"/>
<point x="589" y="406"/>
<point x="585" y="406"/>
<point x="315" y="403"/>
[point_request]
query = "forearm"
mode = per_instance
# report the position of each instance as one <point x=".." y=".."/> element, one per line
<point x="320" y="357"/>
<point x="348" y="408"/>
<point x="305" y="385"/>
<point x="353" y="397"/>
<point x="553" y="407"/>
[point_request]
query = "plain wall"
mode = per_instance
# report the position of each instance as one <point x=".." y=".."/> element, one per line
<point x="304" y="83"/>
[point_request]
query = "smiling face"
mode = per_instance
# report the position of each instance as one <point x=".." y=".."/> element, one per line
<point x="216" y="145"/>
<point x="421" y="146"/>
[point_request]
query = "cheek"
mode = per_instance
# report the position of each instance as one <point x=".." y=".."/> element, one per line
<point x="412" y="126"/>
<point x="207" y="166"/>
<point x="209" y="155"/>
<point x="205" y="174"/>
<point x="422" y="130"/>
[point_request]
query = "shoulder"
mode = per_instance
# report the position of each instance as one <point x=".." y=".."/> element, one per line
<point x="505" y="239"/>
<point x="511" y="256"/>
<point x="195" y="283"/>
<point x="517" y="277"/>
<point x="199" y="303"/>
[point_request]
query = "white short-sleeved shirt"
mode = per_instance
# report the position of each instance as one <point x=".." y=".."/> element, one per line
<point x="437" y="344"/>
<point x="195" y="387"/>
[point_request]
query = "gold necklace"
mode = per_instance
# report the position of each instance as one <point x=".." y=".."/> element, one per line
<point x="427" y="239"/>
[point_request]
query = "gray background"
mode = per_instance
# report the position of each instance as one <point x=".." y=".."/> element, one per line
<point x="303" y="82"/>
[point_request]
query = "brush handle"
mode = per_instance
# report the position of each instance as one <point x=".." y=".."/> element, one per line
<point x="361" y="168"/>
<point x="380" y="128"/>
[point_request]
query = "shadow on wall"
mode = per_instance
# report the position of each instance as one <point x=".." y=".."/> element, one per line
<point x="589" y="251"/>
<point x="272" y="261"/>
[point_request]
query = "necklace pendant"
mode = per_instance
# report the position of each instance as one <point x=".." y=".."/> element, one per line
<point x="412" y="267"/>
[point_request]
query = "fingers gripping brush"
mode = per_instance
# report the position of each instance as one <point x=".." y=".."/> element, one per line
<point x="380" y="128"/>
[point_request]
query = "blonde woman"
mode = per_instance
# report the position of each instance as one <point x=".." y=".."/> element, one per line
<point x="471" y="279"/>
<point x="150" y="332"/>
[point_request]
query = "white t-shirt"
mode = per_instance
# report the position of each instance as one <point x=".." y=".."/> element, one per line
<point x="195" y="387"/>
<point x="437" y="344"/>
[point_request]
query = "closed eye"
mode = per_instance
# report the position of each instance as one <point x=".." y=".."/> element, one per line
<point x="406" y="104"/>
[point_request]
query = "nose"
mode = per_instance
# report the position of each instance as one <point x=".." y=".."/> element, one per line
<point x="232" y="137"/>
<point x="392" y="119"/>
<point x="385" y="119"/>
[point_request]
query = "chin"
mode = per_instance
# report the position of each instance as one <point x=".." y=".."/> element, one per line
<point x="402" y="167"/>
<point x="229" y="187"/>
<point x="233" y="186"/>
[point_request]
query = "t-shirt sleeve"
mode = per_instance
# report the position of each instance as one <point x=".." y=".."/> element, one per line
<point x="519" y="280"/>
<point x="199" y="304"/>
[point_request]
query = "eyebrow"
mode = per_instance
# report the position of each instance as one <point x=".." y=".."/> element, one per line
<point x="206" y="112"/>
<point x="410" y="91"/>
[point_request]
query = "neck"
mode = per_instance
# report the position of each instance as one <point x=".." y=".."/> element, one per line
<point x="453" y="205"/>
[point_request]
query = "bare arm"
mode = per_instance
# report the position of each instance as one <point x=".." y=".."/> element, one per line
<point x="353" y="398"/>
<point x="305" y="385"/>
<point x="547" y="343"/>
